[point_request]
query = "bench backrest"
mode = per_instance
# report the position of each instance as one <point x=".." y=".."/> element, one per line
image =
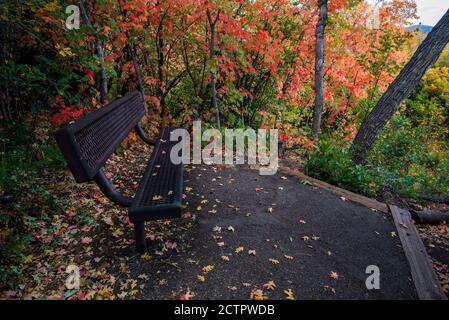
<point x="90" y="141"/>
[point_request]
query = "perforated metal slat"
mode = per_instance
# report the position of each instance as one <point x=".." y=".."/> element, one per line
<point x="97" y="140"/>
<point x="159" y="183"/>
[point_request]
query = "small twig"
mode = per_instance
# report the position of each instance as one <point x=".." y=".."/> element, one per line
<point x="169" y="263"/>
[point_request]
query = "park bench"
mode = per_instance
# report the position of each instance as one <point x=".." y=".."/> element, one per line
<point x="90" y="141"/>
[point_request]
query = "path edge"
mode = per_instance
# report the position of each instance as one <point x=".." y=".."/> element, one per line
<point x="351" y="196"/>
<point x="424" y="276"/>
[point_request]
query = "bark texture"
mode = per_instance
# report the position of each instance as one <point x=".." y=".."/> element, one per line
<point x="319" y="62"/>
<point x="424" y="57"/>
<point x="212" y="22"/>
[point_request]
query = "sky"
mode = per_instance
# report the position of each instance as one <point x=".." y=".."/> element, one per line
<point x="430" y="11"/>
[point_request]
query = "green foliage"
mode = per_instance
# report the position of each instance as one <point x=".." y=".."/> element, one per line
<point x="331" y="161"/>
<point x="408" y="161"/>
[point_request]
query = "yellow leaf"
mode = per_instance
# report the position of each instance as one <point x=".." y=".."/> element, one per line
<point x="225" y="258"/>
<point x="106" y="293"/>
<point x="157" y="197"/>
<point x="90" y="295"/>
<point x="288" y="257"/>
<point x="239" y="249"/>
<point x="289" y="294"/>
<point x="273" y="261"/>
<point x="146" y="257"/>
<point x="208" y="268"/>
<point x="200" y="278"/>
<point x="28" y="259"/>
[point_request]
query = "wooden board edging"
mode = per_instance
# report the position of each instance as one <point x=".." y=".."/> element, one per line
<point x="351" y="196"/>
<point x="424" y="277"/>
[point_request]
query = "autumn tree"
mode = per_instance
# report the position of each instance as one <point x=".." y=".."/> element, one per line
<point x="424" y="57"/>
<point x="84" y="8"/>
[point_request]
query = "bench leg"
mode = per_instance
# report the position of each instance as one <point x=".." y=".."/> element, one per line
<point x="139" y="232"/>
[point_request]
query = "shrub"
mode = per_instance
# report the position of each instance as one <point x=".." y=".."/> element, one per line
<point x="331" y="161"/>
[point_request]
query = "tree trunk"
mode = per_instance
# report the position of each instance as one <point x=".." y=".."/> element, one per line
<point x="132" y="52"/>
<point x="160" y="88"/>
<point x="319" y="61"/>
<point x="214" y="71"/>
<point x="84" y="5"/>
<point x="426" y="55"/>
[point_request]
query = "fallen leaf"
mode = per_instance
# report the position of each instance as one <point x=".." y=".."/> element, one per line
<point x="270" y="285"/>
<point x="187" y="295"/>
<point x="306" y="182"/>
<point x="145" y="257"/>
<point x="208" y="268"/>
<point x="86" y="240"/>
<point x="273" y="261"/>
<point x="289" y="294"/>
<point x="239" y="249"/>
<point x="257" y="294"/>
<point x="200" y="278"/>
<point x="90" y="295"/>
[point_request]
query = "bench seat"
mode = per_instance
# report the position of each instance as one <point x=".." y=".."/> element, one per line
<point x="159" y="195"/>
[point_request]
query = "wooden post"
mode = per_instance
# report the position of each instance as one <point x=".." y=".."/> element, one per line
<point x="139" y="233"/>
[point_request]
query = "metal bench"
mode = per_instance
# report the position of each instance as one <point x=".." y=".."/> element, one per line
<point x="90" y="141"/>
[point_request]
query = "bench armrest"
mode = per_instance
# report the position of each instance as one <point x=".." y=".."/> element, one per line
<point x="141" y="133"/>
<point x="108" y="189"/>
